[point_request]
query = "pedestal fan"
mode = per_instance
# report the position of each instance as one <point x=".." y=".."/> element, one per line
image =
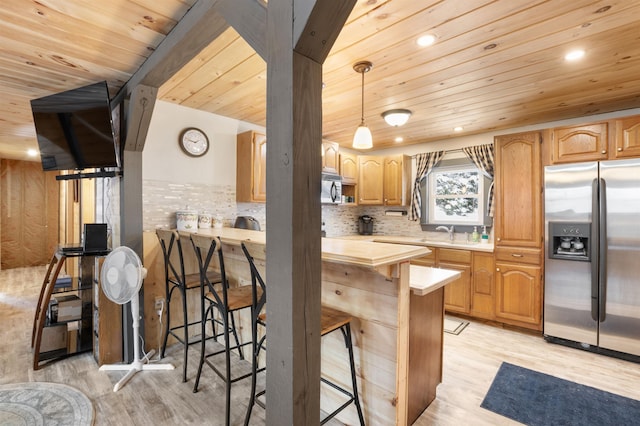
<point x="121" y="278"/>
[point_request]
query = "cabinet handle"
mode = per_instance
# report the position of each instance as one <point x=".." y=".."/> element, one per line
<point x="604" y="151"/>
<point x="516" y="255"/>
<point x="619" y="149"/>
<point x="498" y="269"/>
<point x="499" y="239"/>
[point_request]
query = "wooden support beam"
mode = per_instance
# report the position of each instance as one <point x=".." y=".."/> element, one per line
<point x="138" y="117"/>
<point x="249" y="19"/>
<point x="316" y="38"/>
<point x="294" y="135"/>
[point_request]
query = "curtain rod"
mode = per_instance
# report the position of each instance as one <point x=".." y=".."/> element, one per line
<point x="451" y="151"/>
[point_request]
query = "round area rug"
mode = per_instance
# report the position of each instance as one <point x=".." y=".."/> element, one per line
<point x="41" y="403"/>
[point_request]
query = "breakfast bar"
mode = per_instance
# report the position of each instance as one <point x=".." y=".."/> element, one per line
<point x="398" y="321"/>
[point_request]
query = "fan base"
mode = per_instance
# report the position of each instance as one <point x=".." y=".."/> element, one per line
<point x="133" y="368"/>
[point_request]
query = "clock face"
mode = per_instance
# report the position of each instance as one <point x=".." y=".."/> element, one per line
<point x="194" y="142"/>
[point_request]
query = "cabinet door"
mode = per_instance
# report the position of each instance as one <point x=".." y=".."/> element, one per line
<point x="330" y="157"/>
<point x="259" y="188"/>
<point x="519" y="294"/>
<point x="627" y="142"/>
<point x="457" y="293"/>
<point x="349" y="168"/>
<point x="518" y="190"/>
<point x="394" y="180"/>
<point x="580" y="143"/>
<point x="370" y="172"/>
<point x="251" y="167"/>
<point x="483" y="286"/>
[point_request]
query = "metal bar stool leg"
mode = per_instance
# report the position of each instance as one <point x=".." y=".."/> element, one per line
<point x="346" y="332"/>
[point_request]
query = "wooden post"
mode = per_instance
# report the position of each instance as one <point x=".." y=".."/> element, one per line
<point x="295" y="54"/>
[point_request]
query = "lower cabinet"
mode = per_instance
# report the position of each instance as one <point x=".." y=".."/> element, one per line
<point x="519" y="294"/>
<point x="505" y="286"/>
<point x="457" y="295"/>
<point x="483" y="295"/>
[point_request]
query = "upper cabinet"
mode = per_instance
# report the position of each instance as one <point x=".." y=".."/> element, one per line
<point x="518" y="183"/>
<point x="384" y="180"/>
<point x="251" y="168"/>
<point x="580" y="143"/>
<point x="349" y="168"/>
<point x="370" y="175"/>
<point x="607" y="140"/>
<point x="330" y="157"/>
<point x="627" y="142"/>
<point x="396" y="188"/>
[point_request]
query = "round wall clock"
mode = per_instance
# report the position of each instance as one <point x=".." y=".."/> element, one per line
<point x="194" y="142"/>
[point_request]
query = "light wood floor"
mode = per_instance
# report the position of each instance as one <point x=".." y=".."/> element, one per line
<point x="157" y="398"/>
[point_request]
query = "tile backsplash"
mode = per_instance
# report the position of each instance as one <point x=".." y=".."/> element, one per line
<point x="162" y="199"/>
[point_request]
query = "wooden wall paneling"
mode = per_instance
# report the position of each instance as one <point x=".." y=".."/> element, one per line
<point x="11" y="210"/>
<point x="29" y="214"/>
<point x="33" y="215"/>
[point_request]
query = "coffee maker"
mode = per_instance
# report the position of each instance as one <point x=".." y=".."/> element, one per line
<point x="365" y="225"/>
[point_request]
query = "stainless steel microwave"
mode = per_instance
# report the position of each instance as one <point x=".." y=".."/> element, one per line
<point x="331" y="189"/>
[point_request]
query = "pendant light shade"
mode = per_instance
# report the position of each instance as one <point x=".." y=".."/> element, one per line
<point x="362" y="138"/>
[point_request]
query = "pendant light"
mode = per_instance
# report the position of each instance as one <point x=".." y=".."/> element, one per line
<point x="362" y="138"/>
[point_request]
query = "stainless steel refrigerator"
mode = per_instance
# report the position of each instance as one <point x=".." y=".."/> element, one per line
<point x="592" y="261"/>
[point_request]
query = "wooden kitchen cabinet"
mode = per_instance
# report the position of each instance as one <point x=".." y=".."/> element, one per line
<point x="457" y="295"/>
<point x="518" y="230"/>
<point x="330" y="157"/>
<point x="349" y="168"/>
<point x="627" y="140"/>
<point x="580" y="143"/>
<point x="519" y="294"/>
<point x="483" y="295"/>
<point x="370" y="179"/>
<point x="251" y="168"/>
<point x="518" y="190"/>
<point x="384" y="180"/>
<point x="395" y="187"/>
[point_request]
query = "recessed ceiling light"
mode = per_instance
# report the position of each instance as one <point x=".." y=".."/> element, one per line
<point x="32" y="153"/>
<point x="574" y="55"/>
<point x="399" y="139"/>
<point x="458" y="129"/>
<point x="426" y="40"/>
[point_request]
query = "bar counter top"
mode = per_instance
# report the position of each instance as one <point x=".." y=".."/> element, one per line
<point x="346" y="251"/>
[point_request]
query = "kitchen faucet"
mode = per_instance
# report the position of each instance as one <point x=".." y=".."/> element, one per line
<point x="449" y="230"/>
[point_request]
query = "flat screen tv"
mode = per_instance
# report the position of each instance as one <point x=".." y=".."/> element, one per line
<point x="75" y="130"/>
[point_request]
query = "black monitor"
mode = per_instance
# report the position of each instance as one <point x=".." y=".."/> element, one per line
<point x="75" y="130"/>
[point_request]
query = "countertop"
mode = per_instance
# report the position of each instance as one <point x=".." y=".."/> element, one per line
<point x="423" y="279"/>
<point x="392" y="239"/>
<point x="348" y="251"/>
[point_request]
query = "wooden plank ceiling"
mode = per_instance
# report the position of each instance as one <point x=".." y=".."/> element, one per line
<point x="495" y="64"/>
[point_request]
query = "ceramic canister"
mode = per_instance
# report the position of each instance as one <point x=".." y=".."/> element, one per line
<point x="204" y="220"/>
<point x="187" y="220"/>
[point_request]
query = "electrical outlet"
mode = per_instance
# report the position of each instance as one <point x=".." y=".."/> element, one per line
<point x="159" y="303"/>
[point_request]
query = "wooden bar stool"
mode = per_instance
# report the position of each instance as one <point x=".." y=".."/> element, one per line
<point x="330" y="320"/>
<point x="226" y="301"/>
<point x="177" y="280"/>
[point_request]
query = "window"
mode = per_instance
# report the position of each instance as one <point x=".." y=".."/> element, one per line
<point x="455" y="193"/>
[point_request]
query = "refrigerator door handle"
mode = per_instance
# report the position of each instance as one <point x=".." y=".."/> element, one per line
<point x="603" y="250"/>
<point x="595" y="212"/>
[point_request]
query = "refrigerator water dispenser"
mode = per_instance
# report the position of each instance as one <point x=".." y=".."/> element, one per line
<point x="570" y="241"/>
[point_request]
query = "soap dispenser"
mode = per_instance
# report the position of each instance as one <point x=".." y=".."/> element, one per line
<point x="484" y="239"/>
<point x="475" y="237"/>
